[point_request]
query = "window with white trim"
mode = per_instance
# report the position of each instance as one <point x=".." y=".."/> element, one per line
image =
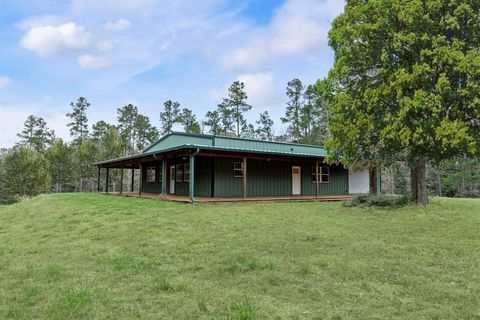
<point x="186" y="172"/>
<point x="238" y="169"/>
<point x="323" y="174"/>
<point x="151" y="174"/>
<point x="179" y="172"/>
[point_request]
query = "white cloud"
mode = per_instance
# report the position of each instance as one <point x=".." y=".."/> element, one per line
<point x="297" y="27"/>
<point x="260" y="89"/>
<point x="118" y="25"/>
<point x="87" y="61"/>
<point x="51" y="40"/>
<point x="103" y="45"/>
<point x="4" y="81"/>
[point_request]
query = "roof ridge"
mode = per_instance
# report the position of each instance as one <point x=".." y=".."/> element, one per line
<point x="239" y="138"/>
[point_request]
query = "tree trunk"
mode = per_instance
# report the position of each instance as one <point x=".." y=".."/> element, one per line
<point x="372" y="173"/>
<point x="438" y="176"/>
<point x="418" y="183"/>
<point x="462" y="181"/>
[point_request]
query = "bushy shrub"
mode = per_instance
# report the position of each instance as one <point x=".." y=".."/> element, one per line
<point x="384" y="201"/>
<point x="23" y="173"/>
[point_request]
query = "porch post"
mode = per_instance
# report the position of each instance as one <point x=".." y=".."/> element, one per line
<point x="98" y="179"/>
<point x="106" y="181"/>
<point x="317" y="178"/>
<point x="133" y="179"/>
<point x="163" y="176"/>
<point x="121" y="180"/>
<point x="140" y="180"/>
<point x="244" y="177"/>
<point x="192" y="179"/>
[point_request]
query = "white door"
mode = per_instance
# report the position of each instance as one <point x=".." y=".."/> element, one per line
<point x="296" y="180"/>
<point x="172" y="179"/>
<point x="358" y="181"/>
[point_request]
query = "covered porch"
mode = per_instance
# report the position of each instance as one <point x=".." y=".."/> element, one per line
<point x="194" y="175"/>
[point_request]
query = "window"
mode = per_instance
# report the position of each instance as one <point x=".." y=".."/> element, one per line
<point x="325" y="174"/>
<point x="179" y="175"/>
<point x="238" y="169"/>
<point x="151" y="174"/>
<point x="186" y="172"/>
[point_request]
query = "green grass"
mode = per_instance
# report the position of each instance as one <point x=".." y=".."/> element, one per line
<point x="89" y="256"/>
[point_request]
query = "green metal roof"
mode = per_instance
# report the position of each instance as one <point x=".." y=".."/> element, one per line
<point x="182" y="140"/>
<point x="205" y="141"/>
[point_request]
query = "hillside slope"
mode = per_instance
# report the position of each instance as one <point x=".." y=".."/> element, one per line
<point x="90" y="256"/>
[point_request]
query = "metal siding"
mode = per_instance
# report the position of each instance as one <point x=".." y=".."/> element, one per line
<point x="308" y="187"/>
<point x="203" y="176"/>
<point x="269" y="178"/>
<point x="226" y="185"/>
<point x="152" y="187"/>
<point x="338" y="181"/>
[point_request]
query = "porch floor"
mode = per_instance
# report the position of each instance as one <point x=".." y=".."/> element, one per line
<point x="178" y="198"/>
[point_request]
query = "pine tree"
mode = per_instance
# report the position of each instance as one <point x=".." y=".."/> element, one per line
<point x="189" y="121"/>
<point x="79" y="124"/>
<point x="146" y="133"/>
<point x="213" y="122"/>
<point x="100" y="129"/>
<point x="236" y="103"/>
<point x="227" y="122"/>
<point x="313" y="116"/>
<point x="59" y="164"/>
<point x="36" y="134"/>
<point x="265" y="129"/>
<point x="293" y="112"/>
<point x="169" y="116"/>
<point x="126" y="117"/>
<point x="248" y="131"/>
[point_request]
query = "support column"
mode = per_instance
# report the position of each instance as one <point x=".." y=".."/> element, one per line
<point x="133" y="179"/>
<point x="121" y="180"/>
<point x="163" y="176"/>
<point x="192" y="178"/>
<point x="140" y="185"/>
<point x="317" y="179"/>
<point x="244" y="177"/>
<point x="106" y="181"/>
<point x="98" y="180"/>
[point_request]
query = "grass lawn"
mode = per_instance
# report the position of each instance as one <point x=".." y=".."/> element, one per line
<point x="90" y="256"/>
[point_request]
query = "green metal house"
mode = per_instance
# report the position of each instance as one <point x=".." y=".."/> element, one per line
<point x="206" y="167"/>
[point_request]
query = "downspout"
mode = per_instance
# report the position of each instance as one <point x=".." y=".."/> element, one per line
<point x="192" y="174"/>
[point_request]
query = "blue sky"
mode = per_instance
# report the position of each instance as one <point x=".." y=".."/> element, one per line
<point x="115" y="52"/>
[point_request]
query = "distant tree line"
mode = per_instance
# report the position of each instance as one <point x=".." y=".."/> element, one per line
<point x="41" y="162"/>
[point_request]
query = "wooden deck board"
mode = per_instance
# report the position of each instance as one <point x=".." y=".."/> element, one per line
<point x="186" y="199"/>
